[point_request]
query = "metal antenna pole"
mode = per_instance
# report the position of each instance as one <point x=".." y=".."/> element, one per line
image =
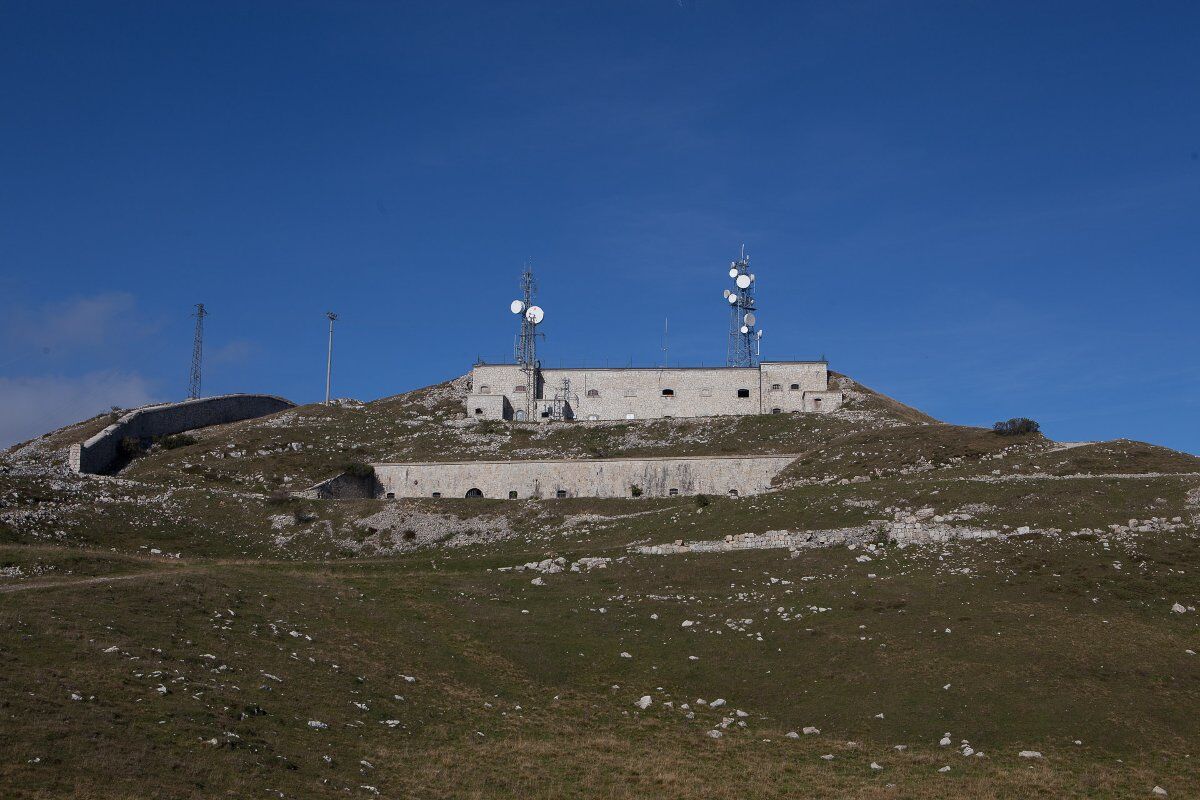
<point x="329" y="354"/>
<point x="197" y="352"/>
<point x="665" y="343"/>
<point x="742" y="349"/>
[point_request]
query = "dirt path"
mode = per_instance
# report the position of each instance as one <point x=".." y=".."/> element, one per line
<point x="62" y="584"/>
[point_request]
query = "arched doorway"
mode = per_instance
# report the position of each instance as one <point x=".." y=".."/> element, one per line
<point x="474" y="493"/>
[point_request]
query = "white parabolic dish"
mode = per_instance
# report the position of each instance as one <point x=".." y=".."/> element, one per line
<point x="743" y="281"/>
<point x="534" y="314"/>
<point x="727" y="293"/>
<point x="732" y="298"/>
<point x="750" y="319"/>
<point x="745" y="329"/>
<point x="733" y="273"/>
<point x="516" y="306"/>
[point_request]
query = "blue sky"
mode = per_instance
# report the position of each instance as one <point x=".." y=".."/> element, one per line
<point x="984" y="209"/>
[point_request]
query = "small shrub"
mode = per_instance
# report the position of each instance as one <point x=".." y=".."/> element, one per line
<point x="279" y="496"/>
<point x="357" y="469"/>
<point x="409" y="535"/>
<point x="176" y="440"/>
<point x="702" y="501"/>
<point x="1018" y="426"/>
<point x="635" y="491"/>
<point x="131" y="447"/>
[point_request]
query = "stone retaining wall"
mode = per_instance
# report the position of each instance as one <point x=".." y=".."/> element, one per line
<point x="614" y="477"/>
<point x="99" y="453"/>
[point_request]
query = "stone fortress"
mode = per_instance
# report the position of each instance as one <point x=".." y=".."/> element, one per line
<point x="524" y="391"/>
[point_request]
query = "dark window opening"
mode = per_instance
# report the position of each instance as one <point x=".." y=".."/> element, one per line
<point x="672" y="492"/>
<point x="668" y="392"/>
<point x="561" y="493"/>
<point x="519" y="389"/>
<point x="733" y="492"/>
<point x="795" y="387"/>
<point x="776" y="410"/>
<point x="546" y="414"/>
<point x="485" y="389"/>
<point x="775" y="387"/>
<point x="474" y="493"/>
<point x="743" y="392"/>
<point x="512" y="495"/>
<point x="437" y="494"/>
<point x="391" y="495"/>
<point x="479" y="411"/>
<point x="593" y="392"/>
<point x="817" y="402"/>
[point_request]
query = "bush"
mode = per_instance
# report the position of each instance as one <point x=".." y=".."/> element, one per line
<point x="357" y="469"/>
<point x="131" y="447"/>
<point x="702" y="501"/>
<point x="636" y="491"/>
<point x="1019" y="426"/>
<point x="176" y="440"/>
<point x="279" y="497"/>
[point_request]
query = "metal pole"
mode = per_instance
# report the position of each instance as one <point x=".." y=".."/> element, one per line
<point x="329" y="355"/>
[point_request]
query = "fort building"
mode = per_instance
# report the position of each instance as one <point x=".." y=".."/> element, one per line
<point x="515" y="392"/>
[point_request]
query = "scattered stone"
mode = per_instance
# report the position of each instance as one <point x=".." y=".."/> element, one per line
<point x="317" y="725"/>
<point x="1030" y="754"/>
<point x="809" y="730"/>
<point x="643" y="702"/>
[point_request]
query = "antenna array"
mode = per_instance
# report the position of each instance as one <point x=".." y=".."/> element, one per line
<point x="745" y="339"/>
<point x="526" y="345"/>
<point x="197" y="352"/>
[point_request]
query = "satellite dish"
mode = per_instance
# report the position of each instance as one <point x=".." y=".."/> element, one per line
<point x="534" y="314"/>
<point x="516" y="306"/>
<point x="732" y="298"/>
<point x="727" y="293"/>
<point x="752" y="279"/>
<point x="733" y="272"/>
<point x="745" y="329"/>
<point x="749" y="319"/>
<point x="760" y="334"/>
<point x="743" y="281"/>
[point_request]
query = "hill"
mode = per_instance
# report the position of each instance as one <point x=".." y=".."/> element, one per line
<point x="913" y="596"/>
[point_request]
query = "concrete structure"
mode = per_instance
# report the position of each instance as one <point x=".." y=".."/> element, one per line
<point x="102" y="451"/>
<point x="499" y="391"/>
<point x="612" y="477"/>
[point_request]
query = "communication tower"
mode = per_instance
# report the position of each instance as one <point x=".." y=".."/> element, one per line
<point x="745" y="339"/>
<point x="197" y="352"/>
<point x="526" y="345"/>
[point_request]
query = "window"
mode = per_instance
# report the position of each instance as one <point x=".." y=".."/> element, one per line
<point x="668" y="392"/>
<point x="776" y="410"/>
<point x="484" y="389"/>
<point x="775" y="387"/>
<point x="519" y="389"/>
<point x="391" y="495"/>
<point x="629" y="416"/>
<point x="593" y="417"/>
<point x="593" y="392"/>
<point x="817" y="402"/>
<point x="512" y="495"/>
<point x="479" y="411"/>
<point x="520" y="415"/>
<point x="706" y="392"/>
<point x="474" y="493"/>
<point x="631" y="392"/>
<point x="733" y="492"/>
<point x="795" y="387"/>
<point x="437" y="494"/>
<point x="561" y="493"/>
<point x="743" y="392"/>
<point x="672" y="492"/>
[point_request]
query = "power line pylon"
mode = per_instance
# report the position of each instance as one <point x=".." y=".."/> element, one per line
<point x="197" y="352"/>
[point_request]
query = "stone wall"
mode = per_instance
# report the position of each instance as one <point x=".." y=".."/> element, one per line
<point x="654" y="393"/>
<point x="615" y="477"/>
<point x="99" y="453"/>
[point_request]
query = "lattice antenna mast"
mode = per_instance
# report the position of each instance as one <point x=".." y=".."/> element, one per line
<point x="745" y="338"/>
<point x="526" y="345"/>
<point x="197" y="352"/>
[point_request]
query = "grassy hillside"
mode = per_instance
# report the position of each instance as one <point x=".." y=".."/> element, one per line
<point x="184" y="629"/>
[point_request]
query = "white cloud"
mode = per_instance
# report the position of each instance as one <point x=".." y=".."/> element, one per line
<point x="77" y="323"/>
<point x="31" y="406"/>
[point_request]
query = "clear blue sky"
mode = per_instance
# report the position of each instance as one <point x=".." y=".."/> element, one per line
<point x="984" y="209"/>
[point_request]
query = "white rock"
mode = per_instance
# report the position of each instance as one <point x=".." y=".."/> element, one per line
<point x="626" y="655"/>
<point x="828" y="757"/>
<point x="1030" y="754"/>
<point x="317" y="725"/>
<point x="1158" y="791"/>
<point x="945" y="742"/>
<point x="792" y="735"/>
<point x="944" y="769"/>
<point x="715" y="734"/>
<point x="1179" y="609"/>
<point x="717" y="703"/>
<point x="538" y="582"/>
<point x="875" y="765"/>
<point x="687" y="623"/>
<point x="644" y="702"/>
<point x="809" y="730"/>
